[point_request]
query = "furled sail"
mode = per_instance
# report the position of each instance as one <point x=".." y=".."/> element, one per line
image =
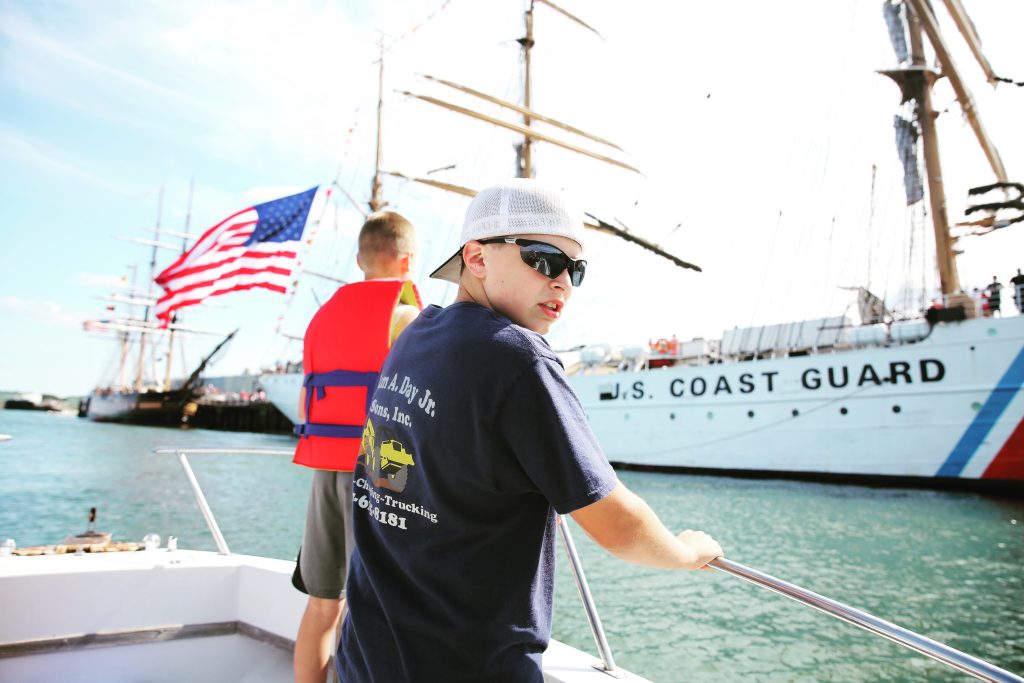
<point x="894" y="21"/>
<point x="906" y="147"/>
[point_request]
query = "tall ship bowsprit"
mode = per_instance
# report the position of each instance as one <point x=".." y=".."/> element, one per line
<point x="926" y="397"/>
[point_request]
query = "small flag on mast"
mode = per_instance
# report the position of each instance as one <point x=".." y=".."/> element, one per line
<point x="255" y="247"/>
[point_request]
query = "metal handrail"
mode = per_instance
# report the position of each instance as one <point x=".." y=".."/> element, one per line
<point x="607" y="662"/>
<point x="204" y="507"/>
<point x="943" y="653"/>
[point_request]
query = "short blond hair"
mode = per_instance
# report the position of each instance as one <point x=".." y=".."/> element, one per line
<point x="386" y="235"/>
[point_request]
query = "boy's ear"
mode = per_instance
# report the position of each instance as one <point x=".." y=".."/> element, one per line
<point x="473" y="257"/>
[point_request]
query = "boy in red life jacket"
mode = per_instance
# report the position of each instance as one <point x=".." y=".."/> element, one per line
<point x="343" y="350"/>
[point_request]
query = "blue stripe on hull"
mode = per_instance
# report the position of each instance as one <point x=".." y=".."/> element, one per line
<point x="985" y="420"/>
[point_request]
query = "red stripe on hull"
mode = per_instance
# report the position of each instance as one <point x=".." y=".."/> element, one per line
<point x="1009" y="461"/>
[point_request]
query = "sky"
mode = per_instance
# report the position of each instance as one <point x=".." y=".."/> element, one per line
<point x="762" y="132"/>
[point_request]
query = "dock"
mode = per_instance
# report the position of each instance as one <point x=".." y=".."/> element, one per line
<point x="238" y="416"/>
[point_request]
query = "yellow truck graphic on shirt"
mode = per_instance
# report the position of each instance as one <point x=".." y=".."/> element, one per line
<point x="387" y="465"/>
<point x="393" y="457"/>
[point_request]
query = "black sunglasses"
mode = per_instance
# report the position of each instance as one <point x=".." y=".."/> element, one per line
<point x="545" y="258"/>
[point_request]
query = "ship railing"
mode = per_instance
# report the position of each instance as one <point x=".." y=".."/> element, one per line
<point x="197" y="490"/>
<point x="940" y="652"/>
<point x="956" y="659"/>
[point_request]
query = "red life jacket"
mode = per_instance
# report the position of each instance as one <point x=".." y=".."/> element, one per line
<point x="343" y="351"/>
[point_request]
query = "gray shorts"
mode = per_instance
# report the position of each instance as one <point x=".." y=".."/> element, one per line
<point x="327" y="540"/>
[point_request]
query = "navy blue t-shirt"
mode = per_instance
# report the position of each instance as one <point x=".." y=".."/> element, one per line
<point x="474" y="440"/>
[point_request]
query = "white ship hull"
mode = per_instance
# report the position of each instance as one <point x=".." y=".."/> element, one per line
<point x="282" y="389"/>
<point x="948" y="406"/>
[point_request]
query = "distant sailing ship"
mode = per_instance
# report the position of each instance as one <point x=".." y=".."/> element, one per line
<point x="147" y="404"/>
<point x="135" y="395"/>
<point x="932" y="400"/>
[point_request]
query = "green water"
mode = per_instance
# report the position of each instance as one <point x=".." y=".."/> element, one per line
<point x="947" y="565"/>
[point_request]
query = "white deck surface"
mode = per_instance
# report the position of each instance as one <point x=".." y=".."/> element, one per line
<point x="102" y="595"/>
<point x="221" y="659"/>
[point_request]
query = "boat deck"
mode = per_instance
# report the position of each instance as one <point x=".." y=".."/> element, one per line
<point x="162" y="616"/>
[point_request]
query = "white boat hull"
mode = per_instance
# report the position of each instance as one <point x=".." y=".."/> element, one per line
<point x="948" y="406"/>
<point x="147" y="615"/>
<point x="282" y="389"/>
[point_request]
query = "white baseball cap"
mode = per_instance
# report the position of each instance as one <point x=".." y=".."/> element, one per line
<point x="520" y="206"/>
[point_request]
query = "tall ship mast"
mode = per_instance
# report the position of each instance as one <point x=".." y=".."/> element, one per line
<point x="915" y="80"/>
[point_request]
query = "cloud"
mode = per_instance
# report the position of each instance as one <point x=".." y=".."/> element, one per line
<point x="206" y="74"/>
<point x="21" y="149"/>
<point x="22" y="31"/>
<point x="44" y="311"/>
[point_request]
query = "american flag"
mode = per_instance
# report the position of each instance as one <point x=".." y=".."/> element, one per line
<point x="255" y="247"/>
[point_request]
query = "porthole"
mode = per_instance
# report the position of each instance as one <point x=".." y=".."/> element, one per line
<point x="843" y="411"/>
<point x="671" y="416"/>
<point x="896" y="409"/>
<point x="750" y="413"/>
<point x="796" y="413"/>
<point x="711" y="415"/>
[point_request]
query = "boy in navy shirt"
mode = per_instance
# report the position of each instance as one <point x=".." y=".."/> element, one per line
<point x="474" y="442"/>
